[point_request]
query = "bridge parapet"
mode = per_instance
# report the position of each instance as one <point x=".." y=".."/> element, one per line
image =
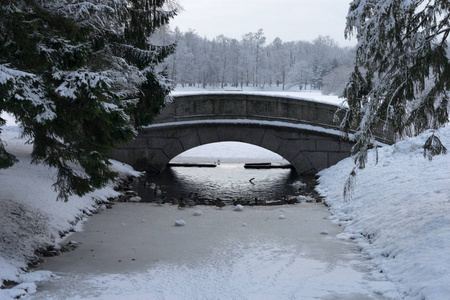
<point x="249" y="106"/>
<point x="298" y="130"/>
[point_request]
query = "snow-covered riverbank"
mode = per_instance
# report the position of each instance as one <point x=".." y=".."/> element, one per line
<point x="399" y="214"/>
<point x="30" y="216"/>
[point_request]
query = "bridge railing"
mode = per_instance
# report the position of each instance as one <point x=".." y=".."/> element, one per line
<point x="247" y="106"/>
<point x="199" y="107"/>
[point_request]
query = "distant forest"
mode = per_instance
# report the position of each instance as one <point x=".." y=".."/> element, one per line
<point x="221" y="62"/>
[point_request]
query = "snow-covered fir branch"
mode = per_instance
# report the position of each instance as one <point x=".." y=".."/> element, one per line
<point x="403" y="45"/>
<point x="73" y="89"/>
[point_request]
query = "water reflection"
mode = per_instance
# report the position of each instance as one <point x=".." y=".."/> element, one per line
<point x="227" y="182"/>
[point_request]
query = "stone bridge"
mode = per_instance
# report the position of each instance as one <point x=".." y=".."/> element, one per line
<point x="301" y="131"/>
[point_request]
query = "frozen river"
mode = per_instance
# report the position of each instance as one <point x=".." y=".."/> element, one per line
<point x="135" y="251"/>
<point x="227" y="182"/>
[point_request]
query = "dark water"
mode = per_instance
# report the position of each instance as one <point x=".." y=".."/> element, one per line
<point x="228" y="182"/>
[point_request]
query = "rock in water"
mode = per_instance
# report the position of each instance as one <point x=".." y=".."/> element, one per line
<point x="307" y="199"/>
<point x="298" y="185"/>
<point x="135" y="199"/>
<point x="180" y="222"/>
<point x="198" y="213"/>
<point x="238" y="208"/>
<point x="282" y="217"/>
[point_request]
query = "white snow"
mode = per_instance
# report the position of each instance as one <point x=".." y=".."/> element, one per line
<point x="20" y="290"/>
<point x="27" y="87"/>
<point x="10" y="121"/>
<point x="238" y="208"/>
<point x="399" y="214"/>
<point x="34" y="276"/>
<point x="135" y="199"/>
<point x="180" y="222"/>
<point x="293" y="93"/>
<point x="198" y="213"/>
<point x="31" y="217"/>
<point x="258" y="122"/>
<point x="74" y="80"/>
<point x="298" y="185"/>
<point x="213" y="257"/>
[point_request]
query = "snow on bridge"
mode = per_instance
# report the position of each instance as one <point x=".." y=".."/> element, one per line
<point x="302" y="131"/>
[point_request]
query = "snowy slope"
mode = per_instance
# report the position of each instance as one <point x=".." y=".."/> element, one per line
<point x="30" y="216"/>
<point x="399" y="214"/>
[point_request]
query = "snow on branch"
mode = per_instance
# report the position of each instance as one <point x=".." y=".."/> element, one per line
<point x="403" y="46"/>
<point x="148" y="57"/>
<point x="73" y="81"/>
<point x="125" y="79"/>
<point x="8" y="74"/>
<point x="102" y="15"/>
<point x="27" y="87"/>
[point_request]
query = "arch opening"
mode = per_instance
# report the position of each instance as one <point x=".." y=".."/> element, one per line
<point x="228" y="180"/>
<point x="228" y="152"/>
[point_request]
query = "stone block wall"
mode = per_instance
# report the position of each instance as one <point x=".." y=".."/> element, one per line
<point x="308" y="151"/>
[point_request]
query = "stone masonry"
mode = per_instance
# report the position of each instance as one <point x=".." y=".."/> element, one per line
<point x="191" y="121"/>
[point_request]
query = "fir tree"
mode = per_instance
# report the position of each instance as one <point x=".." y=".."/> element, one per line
<point x="402" y="74"/>
<point x="80" y="77"/>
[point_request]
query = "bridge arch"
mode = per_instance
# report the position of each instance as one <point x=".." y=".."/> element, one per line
<point x="228" y="152"/>
<point x="302" y="131"/>
<point x="307" y="150"/>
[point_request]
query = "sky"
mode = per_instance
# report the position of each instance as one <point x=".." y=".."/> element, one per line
<point x="290" y="20"/>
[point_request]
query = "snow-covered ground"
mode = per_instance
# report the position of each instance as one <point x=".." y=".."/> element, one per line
<point x="30" y="216"/>
<point x="399" y="216"/>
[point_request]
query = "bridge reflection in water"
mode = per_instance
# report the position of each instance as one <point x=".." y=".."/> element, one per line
<point x="229" y="182"/>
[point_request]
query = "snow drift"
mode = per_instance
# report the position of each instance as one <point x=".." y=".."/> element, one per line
<point x="399" y="214"/>
<point x="31" y="218"/>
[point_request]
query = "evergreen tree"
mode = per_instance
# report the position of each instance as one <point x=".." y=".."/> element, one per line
<point x="402" y="74"/>
<point x="80" y="77"/>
